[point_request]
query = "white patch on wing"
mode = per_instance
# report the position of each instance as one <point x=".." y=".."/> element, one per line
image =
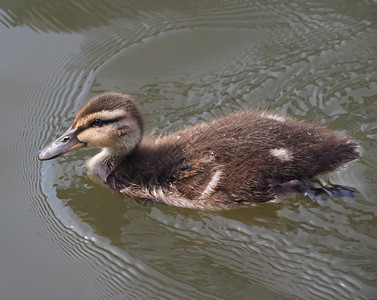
<point x="273" y="117"/>
<point x="276" y="117"/>
<point x="282" y="154"/>
<point x="211" y="184"/>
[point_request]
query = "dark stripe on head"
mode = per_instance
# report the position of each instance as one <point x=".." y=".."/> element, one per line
<point x="109" y="102"/>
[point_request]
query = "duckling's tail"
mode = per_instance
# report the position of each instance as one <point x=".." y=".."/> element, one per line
<point x="336" y="153"/>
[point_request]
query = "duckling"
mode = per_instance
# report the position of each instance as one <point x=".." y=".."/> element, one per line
<point x="246" y="158"/>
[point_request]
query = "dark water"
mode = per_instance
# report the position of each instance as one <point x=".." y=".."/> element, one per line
<point x="64" y="237"/>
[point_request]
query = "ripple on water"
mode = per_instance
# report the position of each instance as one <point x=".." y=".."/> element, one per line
<point x="300" y="58"/>
<point x="284" y="256"/>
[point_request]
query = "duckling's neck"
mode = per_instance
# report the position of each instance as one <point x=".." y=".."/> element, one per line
<point x="105" y="162"/>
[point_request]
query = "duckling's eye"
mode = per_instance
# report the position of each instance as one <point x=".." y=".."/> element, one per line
<point x="98" y="122"/>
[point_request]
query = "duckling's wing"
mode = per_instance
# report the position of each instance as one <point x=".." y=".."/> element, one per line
<point x="246" y="155"/>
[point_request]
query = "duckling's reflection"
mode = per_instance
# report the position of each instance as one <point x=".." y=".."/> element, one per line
<point x="247" y="247"/>
<point x="112" y="215"/>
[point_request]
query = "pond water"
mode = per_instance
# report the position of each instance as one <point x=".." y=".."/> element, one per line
<point x="65" y="237"/>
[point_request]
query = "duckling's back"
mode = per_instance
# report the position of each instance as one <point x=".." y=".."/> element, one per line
<point x="236" y="160"/>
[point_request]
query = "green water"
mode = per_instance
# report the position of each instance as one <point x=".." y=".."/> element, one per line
<point x="65" y="237"/>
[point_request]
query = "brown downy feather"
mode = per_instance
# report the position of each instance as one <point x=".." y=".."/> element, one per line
<point x="230" y="161"/>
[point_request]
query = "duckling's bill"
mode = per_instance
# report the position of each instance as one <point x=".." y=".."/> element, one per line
<point x="66" y="143"/>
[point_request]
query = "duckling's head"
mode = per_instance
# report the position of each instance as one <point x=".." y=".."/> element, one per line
<point x="111" y="120"/>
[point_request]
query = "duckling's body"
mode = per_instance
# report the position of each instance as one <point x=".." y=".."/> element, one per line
<point x="242" y="159"/>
